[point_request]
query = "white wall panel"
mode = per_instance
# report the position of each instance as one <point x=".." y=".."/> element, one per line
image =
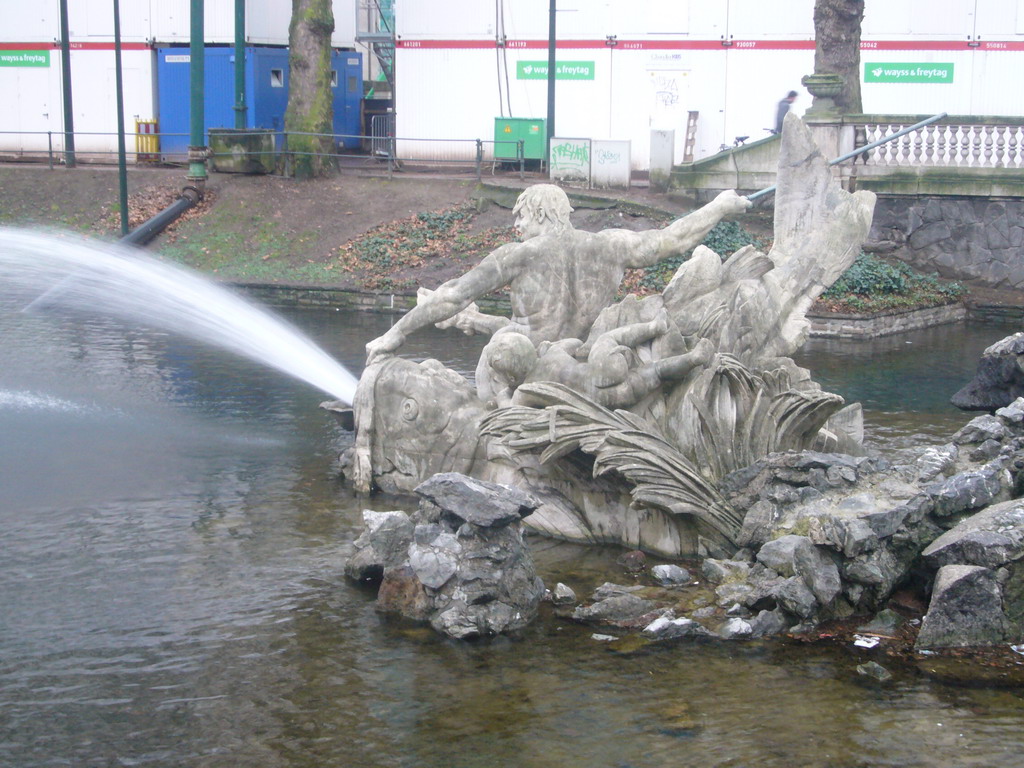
<point x="267" y="21"/>
<point x="31" y="22"/>
<point x="461" y="20"/>
<point x="93" y="21"/>
<point x="31" y="99"/>
<point x="999" y="19"/>
<point x="95" y="96"/>
<point x="760" y="20"/>
<point x="652" y="17"/>
<point x="344" y="24"/>
<point x="934" y="19"/>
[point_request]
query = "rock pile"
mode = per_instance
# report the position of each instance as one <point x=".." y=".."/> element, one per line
<point x="828" y="536"/>
<point x="459" y="562"/>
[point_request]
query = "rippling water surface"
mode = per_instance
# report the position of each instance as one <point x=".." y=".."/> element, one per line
<point x="172" y="533"/>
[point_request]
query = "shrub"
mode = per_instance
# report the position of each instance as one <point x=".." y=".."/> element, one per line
<point x="872" y="284"/>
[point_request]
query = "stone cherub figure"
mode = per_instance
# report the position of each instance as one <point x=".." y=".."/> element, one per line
<point x="606" y="368"/>
<point x="559" y="278"/>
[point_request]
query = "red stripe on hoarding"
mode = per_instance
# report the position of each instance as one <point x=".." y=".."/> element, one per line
<point x="37" y="46"/>
<point x="711" y="45"/>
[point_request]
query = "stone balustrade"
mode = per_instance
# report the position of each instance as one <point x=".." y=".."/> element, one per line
<point x="954" y="142"/>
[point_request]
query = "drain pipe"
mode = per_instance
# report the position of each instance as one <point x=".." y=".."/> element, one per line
<point x="146" y="231"/>
<point x="141" y="235"/>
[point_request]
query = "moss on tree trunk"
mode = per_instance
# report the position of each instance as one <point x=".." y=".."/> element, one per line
<point x="837" y="47"/>
<point x="310" y="97"/>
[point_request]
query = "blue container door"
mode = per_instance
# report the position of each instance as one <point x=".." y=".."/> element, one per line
<point x="268" y="95"/>
<point x="348" y="94"/>
<point x="174" y="102"/>
<point x="172" y="72"/>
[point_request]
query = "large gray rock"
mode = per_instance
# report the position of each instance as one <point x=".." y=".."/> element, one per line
<point x="481" y="503"/>
<point x="969" y="490"/>
<point x="619" y="610"/>
<point x="819" y="572"/>
<point x="671" y="628"/>
<point x="965" y="610"/>
<point x="464" y="567"/>
<point x="990" y="538"/>
<point x="796" y="598"/>
<point x="979" y="430"/>
<point x="778" y="554"/>
<point x="999" y="379"/>
<point x="383" y="543"/>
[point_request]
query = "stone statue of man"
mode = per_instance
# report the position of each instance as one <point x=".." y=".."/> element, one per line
<point x="559" y="278"/>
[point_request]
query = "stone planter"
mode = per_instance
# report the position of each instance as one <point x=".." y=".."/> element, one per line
<point x="242" y="150"/>
<point x="824" y="88"/>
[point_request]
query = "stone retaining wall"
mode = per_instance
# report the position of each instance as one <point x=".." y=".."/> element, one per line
<point x="980" y="240"/>
<point x="827" y="326"/>
<point x="870" y="326"/>
<point x="398" y="303"/>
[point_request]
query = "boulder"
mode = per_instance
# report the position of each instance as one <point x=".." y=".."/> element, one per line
<point x="736" y="629"/>
<point x="563" y="595"/>
<point x="999" y="379"/>
<point x="461" y="564"/>
<point x="965" y="610"/>
<point x="972" y="489"/>
<point x="384" y="542"/>
<point x="619" y="610"/>
<point x="990" y="538"/>
<point x="670" y="575"/>
<point x="487" y="505"/>
<point x="670" y="628"/>
<point x="980" y="430"/>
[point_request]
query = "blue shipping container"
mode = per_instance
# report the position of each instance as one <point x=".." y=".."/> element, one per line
<point x="266" y="87"/>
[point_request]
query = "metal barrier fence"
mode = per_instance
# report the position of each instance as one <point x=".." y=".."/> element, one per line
<point x="381" y="152"/>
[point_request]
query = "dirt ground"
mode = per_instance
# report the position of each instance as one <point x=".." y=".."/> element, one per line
<point x="270" y="219"/>
<point x="260" y="228"/>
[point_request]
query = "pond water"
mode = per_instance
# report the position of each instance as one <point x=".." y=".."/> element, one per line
<point x="173" y="533"/>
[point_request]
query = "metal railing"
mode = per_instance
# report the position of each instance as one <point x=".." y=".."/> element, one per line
<point x="380" y="152"/>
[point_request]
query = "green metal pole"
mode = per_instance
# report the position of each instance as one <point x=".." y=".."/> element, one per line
<point x="122" y="170"/>
<point x="197" y="117"/>
<point x="240" y="113"/>
<point x="65" y="72"/>
<point x="551" y="78"/>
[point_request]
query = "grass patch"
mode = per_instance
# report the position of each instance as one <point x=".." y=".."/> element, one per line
<point x="236" y="245"/>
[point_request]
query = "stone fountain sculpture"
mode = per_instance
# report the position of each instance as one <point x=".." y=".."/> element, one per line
<point x="620" y="419"/>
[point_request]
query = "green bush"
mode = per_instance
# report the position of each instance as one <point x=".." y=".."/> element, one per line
<point x="873" y="285"/>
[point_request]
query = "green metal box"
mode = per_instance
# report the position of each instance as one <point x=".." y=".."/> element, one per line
<point x="508" y="130"/>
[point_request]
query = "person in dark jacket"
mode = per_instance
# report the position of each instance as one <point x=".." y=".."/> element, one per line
<point x="784" y="106"/>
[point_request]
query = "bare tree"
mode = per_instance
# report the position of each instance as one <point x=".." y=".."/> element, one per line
<point x="310" y="99"/>
<point x="837" y="47"/>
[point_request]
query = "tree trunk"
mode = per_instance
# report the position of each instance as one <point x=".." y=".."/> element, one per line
<point x="310" y="99"/>
<point x="837" y="47"/>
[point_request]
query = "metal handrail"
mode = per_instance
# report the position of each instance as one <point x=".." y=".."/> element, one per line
<point x="861" y="150"/>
